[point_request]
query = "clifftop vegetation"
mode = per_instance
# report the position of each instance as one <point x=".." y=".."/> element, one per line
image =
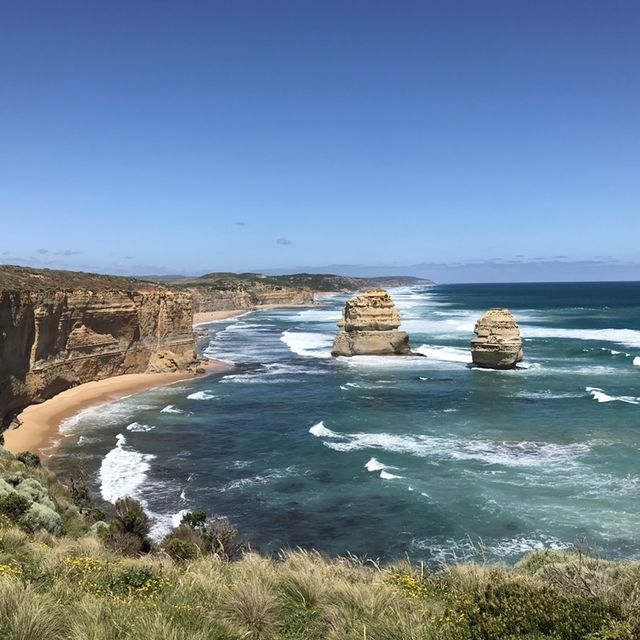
<point x="26" y="278"/>
<point x="68" y="576"/>
<point x="313" y="281"/>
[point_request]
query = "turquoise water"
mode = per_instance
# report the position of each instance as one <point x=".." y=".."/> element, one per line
<point x="385" y="456"/>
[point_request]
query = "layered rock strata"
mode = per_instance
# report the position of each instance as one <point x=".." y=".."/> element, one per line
<point x="497" y="344"/>
<point x="369" y="326"/>
<point x="234" y="296"/>
<point x="51" y="340"/>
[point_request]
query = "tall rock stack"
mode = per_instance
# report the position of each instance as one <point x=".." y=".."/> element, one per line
<point x="497" y="344"/>
<point x="369" y="326"/>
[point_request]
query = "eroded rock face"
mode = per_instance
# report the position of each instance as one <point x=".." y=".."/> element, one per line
<point x="369" y="326"/>
<point x="55" y="339"/>
<point x="497" y="344"/>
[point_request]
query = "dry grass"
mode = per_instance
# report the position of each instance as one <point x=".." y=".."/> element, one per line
<point x="64" y="589"/>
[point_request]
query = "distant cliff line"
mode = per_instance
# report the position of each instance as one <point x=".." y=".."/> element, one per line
<point x="59" y="329"/>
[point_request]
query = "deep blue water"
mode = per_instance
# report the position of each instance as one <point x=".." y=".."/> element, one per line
<point x="384" y="456"/>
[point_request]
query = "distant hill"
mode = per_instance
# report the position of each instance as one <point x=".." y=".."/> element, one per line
<point x="314" y="281"/>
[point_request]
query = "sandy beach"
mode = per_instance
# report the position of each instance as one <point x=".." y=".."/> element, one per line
<point x="40" y="422"/>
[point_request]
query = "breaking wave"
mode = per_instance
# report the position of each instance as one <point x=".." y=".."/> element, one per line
<point x="123" y="471"/>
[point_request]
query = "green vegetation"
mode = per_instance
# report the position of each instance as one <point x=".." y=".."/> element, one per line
<point x="109" y="582"/>
<point x="313" y="281"/>
<point x="28" y="279"/>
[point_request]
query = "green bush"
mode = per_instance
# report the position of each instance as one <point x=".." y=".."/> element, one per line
<point x="131" y="518"/>
<point x="39" y="516"/>
<point x="181" y="550"/>
<point x="508" y="608"/>
<point x="28" y="458"/>
<point x="216" y="535"/>
<point x="13" y="505"/>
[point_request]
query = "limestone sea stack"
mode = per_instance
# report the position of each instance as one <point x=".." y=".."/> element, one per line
<point x="497" y="344"/>
<point x="369" y="326"/>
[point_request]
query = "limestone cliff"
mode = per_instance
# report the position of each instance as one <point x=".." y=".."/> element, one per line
<point x="52" y="339"/>
<point x="497" y="344"/>
<point x="369" y="326"/>
<point x="237" y="295"/>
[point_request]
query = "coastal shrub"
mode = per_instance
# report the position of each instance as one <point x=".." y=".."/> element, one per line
<point x="215" y="535"/>
<point x="13" y="505"/>
<point x="131" y="518"/>
<point x="81" y="497"/>
<point x="31" y="489"/>
<point x="127" y="532"/>
<point x="507" y="608"/>
<point x="181" y="550"/>
<point x="39" y="516"/>
<point x="28" y="458"/>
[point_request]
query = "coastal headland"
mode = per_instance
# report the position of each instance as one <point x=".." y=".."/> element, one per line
<point x="69" y="340"/>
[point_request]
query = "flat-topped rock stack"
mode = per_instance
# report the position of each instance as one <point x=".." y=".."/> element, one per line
<point x="497" y="344"/>
<point x="369" y="326"/>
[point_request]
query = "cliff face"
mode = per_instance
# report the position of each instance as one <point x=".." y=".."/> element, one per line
<point x="51" y="340"/>
<point x="245" y="296"/>
<point x="369" y="327"/>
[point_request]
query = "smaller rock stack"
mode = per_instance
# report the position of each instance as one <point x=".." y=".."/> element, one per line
<point x="497" y="344"/>
<point x="369" y="326"/>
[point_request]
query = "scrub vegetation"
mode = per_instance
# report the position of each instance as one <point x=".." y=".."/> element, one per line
<point x="76" y="577"/>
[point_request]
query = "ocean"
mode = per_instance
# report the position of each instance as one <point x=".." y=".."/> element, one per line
<point x="388" y="456"/>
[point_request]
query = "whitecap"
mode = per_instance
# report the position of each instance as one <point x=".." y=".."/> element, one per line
<point x="510" y="454"/>
<point x="385" y="475"/>
<point x="123" y="471"/>
<point x="445" y="354"/>
<point x="260" y="479"/>
<point x="374" y="465"/>
<point x="302" y="343"/>
<point x="201" y="395"/>
<point x="627" y="337"/>
<point x="320" y="431"/>
<point x="138" y="427"/>
<point x="600" y="396"/>
<point x="170" y="409"/>
<point x="636" y="361"/>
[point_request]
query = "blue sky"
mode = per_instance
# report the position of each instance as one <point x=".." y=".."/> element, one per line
<point x="187" y="137"/>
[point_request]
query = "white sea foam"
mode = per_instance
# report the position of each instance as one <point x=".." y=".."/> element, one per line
<point x="171" y="409"/>
<point x="385" y="475"/>
<point x="445" y="354"/>
<point x="546" y="395"/>
<point x="374" y="465"/>
<point x="274" y="373"/>
<point x="318" y="315"/>
<point x="627" y="337"/>
<point x="636" y="361"/>
<point x="201" y="395"/>
<point x="307" y="344"/>
<point x="320" y="431"/>
<point x="123" y="471"/>
<point x="262" y="478"/>
<point x="600" y="396"/>
<point x="453" y="549"/>
<point x="511" y="454"/>
<point x="138" y="427"/>
<point x="107" y="412"/>
<point x="164" y="522"/>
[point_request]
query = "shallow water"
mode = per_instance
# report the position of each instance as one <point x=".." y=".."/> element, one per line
<point x="383" y="456"/>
